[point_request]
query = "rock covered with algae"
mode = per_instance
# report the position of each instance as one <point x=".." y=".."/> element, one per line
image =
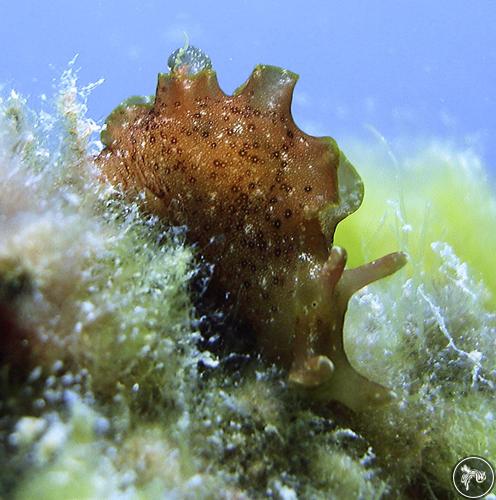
<point x="109" y="391"/>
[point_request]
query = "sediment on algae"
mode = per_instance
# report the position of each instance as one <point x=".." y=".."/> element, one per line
<point x="108" y="390"/>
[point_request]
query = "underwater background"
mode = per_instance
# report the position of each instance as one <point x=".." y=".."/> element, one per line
<point x="415" y="70"/>
<point x="109" y="387"/>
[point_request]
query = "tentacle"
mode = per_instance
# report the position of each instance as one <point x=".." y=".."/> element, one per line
<point x="334" y="267"/>
<point x="355" y="279"/>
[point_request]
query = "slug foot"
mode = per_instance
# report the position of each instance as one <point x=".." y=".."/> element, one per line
<point x="330" y="376"/>
<point x="354" y="390"/>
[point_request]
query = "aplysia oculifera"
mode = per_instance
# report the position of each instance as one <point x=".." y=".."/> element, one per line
<point x="261" y="199"/>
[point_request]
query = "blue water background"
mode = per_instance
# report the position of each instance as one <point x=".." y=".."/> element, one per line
<point x="411" y="69"/>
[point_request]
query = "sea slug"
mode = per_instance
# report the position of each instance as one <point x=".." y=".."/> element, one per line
<point x="261" y="199"/>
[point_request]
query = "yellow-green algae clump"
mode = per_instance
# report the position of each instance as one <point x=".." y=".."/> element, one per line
<point x="108" y="390"/>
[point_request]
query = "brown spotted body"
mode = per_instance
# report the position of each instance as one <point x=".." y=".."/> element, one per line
<point x="261" y="199"/>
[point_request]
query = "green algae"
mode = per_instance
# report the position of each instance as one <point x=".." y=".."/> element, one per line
<point x="430" y="335"/>
<point x="436" y="193"/>
<point x="121" y="398"/>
